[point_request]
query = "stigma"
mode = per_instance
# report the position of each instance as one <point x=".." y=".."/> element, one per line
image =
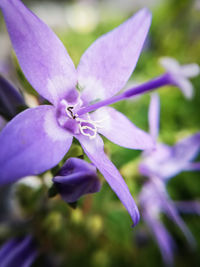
<point x="68" y="119"/>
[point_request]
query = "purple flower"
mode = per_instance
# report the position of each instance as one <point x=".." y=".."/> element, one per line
<point x="154" y="200"/>
<point x="164" y="161"/>
<point x="10" y="99"/>
<point x="20" y="252"/>
<point x="180" y="74"/>
<point x="75" y="179"/>
<point x="160" y="164"/>
<point x="38" y="138"/>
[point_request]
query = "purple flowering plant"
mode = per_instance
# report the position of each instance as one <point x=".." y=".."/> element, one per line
<point x="38" y="138"/>
<point x="161" y="164"/>
<point x="164" y="161"/>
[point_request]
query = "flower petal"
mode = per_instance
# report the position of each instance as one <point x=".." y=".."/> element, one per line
<point x="150" y="200"/>
<point x="192" y="166"/>
<point x="170" y="64"/>
<point x="166" y="162"/>
<point x="6" y="248"/>
<point x="95" y="151"/>
<point x="189" y="207"/>
<point x="31" y="143"/>
<point x="162" y="236"/>
<point x="184" y="85"/>
<point x="18" y="252"/>
<point x="186" y="149"/>
<point x="120" y="130"/>
<point x="154" y="116"/>
<point x="108" y="63"/>
<point x="157" y="162"/>
<point x="75" y="179"/>
<point x="169" y="208"/>
<point x="42" y="57"/>
<point x="190" y="70"/>
<point x="172" y="212"/>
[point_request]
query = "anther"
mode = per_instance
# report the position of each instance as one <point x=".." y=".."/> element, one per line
<point x="71" y="112"/>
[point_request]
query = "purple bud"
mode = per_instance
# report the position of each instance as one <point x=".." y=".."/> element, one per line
<point x="75" y="179"/>
<point x="10" y="99"/>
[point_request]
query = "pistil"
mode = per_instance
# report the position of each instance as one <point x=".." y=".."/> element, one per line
<point x="140" y="89"/>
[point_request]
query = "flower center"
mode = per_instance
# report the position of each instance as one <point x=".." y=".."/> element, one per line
<point x="68" y="119"/>
<point x="69" y="111"/>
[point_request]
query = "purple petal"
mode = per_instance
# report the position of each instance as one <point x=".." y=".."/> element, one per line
<point x="170" y="209"/>
<point x="172" y="212"/>
<point x="185" y="86"/>
<point x="170" y="64"/>
<point x="158" y="162"/>
<point x="18" y="252"/>
<point x="162" y="236"/>
<point x="186" y="149"/>
<point x="120" y="130"/>
<point x="42" y="57"/>
<point x="154" y="116"/>
<point x="10" y="99"/>
<point x="75" y="179"/>
<point x="190" y="207"/>
<point x="31" y="143"/>
<point x="95" y="151"/>
<point x="192" y="166"/>
<point x="190" y="70"/>
<point x="150" y="199"/>
<point x="154" y="199"/>
<point x="166" y="162"/>
<point x="6" y="248"/>
<point x="108" y="63"/>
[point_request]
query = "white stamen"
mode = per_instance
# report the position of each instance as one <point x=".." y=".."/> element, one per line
<point x="82" y="128"/>
<point x="93" y="125"/>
